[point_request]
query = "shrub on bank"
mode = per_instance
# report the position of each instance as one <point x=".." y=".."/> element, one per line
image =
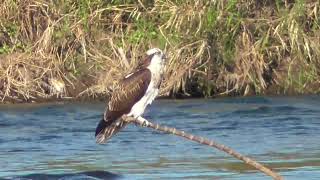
<point x="61" y="49"/>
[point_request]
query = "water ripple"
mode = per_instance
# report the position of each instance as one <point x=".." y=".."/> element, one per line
<point x="56" y="141"/>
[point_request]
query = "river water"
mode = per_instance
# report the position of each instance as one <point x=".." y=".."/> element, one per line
<point x="56" y="141"/>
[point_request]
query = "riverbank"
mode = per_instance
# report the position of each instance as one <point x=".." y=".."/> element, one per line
<point x="53" y="50"/>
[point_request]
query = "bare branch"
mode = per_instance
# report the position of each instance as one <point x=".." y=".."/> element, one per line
<point x="210" y="143"/>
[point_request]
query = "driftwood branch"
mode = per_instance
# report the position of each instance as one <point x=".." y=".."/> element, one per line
<point x="211" y="143"/>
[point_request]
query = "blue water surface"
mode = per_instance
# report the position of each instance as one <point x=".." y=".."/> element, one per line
<point x="56" y="141"/>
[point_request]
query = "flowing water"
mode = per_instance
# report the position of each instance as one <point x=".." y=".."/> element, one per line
<point x="56" y="141"/>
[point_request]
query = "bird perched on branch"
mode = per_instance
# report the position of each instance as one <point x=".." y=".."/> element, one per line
<point x="132" y="95"/>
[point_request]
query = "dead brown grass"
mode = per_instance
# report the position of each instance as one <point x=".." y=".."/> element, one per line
<point x="81" y="49"/>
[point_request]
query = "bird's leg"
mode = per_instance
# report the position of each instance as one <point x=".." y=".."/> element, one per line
<point x="127" y="118"/>
<point x="138" y="120"/>
<point x="143" y="122"/>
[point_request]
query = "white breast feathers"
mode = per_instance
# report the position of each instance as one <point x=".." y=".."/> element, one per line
<point x="139" y="107"/>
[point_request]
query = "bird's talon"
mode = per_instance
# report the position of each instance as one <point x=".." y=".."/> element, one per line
<point x="145" y="123"/>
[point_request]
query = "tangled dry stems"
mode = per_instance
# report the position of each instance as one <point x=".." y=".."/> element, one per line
<point x="81" y="49"/>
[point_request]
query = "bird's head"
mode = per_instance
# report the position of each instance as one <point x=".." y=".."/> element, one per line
<point x="156" y="52"/>
<point x="155" y="59"/>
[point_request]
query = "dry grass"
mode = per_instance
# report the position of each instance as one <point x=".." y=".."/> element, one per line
<point x="81" y="49"/>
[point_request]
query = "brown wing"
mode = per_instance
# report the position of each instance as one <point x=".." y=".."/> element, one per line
<point x="129" y="91"/>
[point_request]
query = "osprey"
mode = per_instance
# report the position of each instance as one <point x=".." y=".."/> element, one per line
<point x="132" y="95"/>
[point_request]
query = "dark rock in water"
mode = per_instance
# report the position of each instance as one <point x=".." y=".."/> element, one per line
<point x="93" y="175"/>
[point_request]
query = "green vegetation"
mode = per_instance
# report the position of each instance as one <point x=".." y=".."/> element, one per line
<point x="80" y="48"/>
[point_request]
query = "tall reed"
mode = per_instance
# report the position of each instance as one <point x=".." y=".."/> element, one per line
<point x="74" y="49"/>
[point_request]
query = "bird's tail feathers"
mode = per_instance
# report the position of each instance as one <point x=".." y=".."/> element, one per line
<point x="105" y="130"/>
<point x="100" y="131"/>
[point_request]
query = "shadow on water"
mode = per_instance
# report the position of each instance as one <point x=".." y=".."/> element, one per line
<point x="94" y="175"/>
